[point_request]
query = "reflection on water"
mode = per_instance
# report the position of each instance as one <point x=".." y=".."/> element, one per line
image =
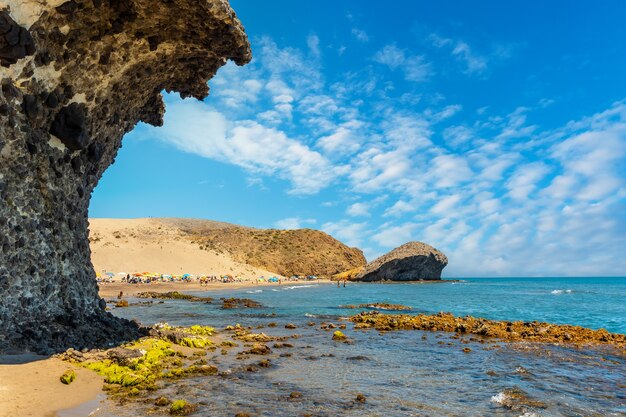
<point x="400" y="373"/>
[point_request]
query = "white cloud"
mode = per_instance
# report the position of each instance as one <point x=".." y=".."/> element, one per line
<point x="450" y="170"/>
<point x="360" y="35"/>
<point x="416" y="67"/>
<point x="291" y="223"/>
<point x="445" y="204"/>
<point x="358" y="210"/>
<point x="196" y="128"/>
<point x="498" y="194"/>
<point x="341" y="142"/>
<point x="313" y="42"/>
<point x="399" y="208"/>
<point x="525" y="180"/>
<point x="393" y="236"/>
<point x="390" y="55"/>
<point x="352" y="234"/>
<point x="461" y="51"/>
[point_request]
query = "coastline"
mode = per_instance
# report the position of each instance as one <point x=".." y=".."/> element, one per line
<point x="112" y="289"/>
<point x="38" y="377"/>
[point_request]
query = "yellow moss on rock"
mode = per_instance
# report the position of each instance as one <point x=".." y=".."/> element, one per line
<point x="181" y="408"/>
<point x="202" y="330"/>
<point x="195" y="342"/>
<point x="68" y="377"/>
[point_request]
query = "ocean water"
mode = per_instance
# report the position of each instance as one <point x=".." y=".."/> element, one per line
<point x="409" y="373"/>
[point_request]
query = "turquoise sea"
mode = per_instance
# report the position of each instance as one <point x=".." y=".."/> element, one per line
<point x="411" y="373"/>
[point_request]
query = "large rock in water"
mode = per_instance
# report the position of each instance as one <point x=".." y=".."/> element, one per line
<point x="76" y="76"/>
<point x="412" y="261"/>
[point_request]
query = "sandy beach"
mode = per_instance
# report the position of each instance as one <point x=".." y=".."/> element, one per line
<point x="30" y="386"/>
<point x="113" y="289"/>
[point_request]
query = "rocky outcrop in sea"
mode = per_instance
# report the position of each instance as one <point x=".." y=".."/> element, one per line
<point x="412" y="261"/>
<point x="76" y="76"/>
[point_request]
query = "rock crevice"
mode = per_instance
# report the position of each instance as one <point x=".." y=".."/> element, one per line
<point x="74" y="80"/>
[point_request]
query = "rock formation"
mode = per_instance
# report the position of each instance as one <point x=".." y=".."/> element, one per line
<point x="412" y="261"/>
<point x="76" y="76"/>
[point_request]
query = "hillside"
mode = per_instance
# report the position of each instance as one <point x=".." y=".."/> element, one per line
<point x="208" y="247"/>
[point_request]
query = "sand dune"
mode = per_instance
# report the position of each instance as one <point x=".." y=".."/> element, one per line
<point x="158" y="245"/>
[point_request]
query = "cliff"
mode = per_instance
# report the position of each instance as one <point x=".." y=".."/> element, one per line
<point x="412" y="261"/>
<point x="204" y="246"/>
<point x="76" y="76"/>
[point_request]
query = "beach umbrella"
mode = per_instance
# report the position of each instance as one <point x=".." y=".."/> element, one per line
<point x="110" y="274"/>
<point x="122" y="273"/>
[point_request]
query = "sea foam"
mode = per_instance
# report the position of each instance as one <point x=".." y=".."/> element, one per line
<point x="499" y="398"/>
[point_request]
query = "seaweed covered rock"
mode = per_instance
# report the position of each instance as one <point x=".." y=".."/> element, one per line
<point x="413" y="261"/>
<point x="76" y="76"/>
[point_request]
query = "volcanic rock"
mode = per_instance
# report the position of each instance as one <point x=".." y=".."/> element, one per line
<point x="77" y="76"/>
<point x="412" y="261"/>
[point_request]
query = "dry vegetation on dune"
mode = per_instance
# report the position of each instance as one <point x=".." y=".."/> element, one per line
<point x="191" y="245"/>
<point x="288" y="252"/>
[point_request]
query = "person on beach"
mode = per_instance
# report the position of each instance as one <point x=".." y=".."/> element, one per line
<point x="120" y="295"/>
<point x="344" y="283"/>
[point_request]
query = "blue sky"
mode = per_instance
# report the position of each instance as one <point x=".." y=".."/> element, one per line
<point x="494" y="131"/>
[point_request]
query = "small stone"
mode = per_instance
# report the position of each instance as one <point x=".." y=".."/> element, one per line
<point x="295" y="395"/>
<point x="68" y="377"/>
<point x="360" y="398"/>
<point x="161" y="402"/>
<point x="339" y="336"/>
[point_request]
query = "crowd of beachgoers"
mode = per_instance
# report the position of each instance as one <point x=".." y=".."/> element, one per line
<point x="148" y="278"/>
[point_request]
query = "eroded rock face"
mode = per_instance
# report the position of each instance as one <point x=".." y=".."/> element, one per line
<point x="412" y="261"/>
<point x="76" y="76"/>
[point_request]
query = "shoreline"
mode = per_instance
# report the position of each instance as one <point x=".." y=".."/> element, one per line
<point x="31" y="387"/>
<point x="113" y="289"/>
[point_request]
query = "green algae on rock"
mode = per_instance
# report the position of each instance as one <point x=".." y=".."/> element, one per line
<point x="68" y="377"/>
<point x="509" y="331"/>
<point x="338" y="335"/>
<point x="181" y="408"/>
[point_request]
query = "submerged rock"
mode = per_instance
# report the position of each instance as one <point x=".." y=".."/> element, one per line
<point x="412" y="261"/>
<point x="230" y="303"/>
<point x="173" y="295"/>
<point x="76" y="78"/>
<point x="379" y="306"/>
<point x="503" y="330"/>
